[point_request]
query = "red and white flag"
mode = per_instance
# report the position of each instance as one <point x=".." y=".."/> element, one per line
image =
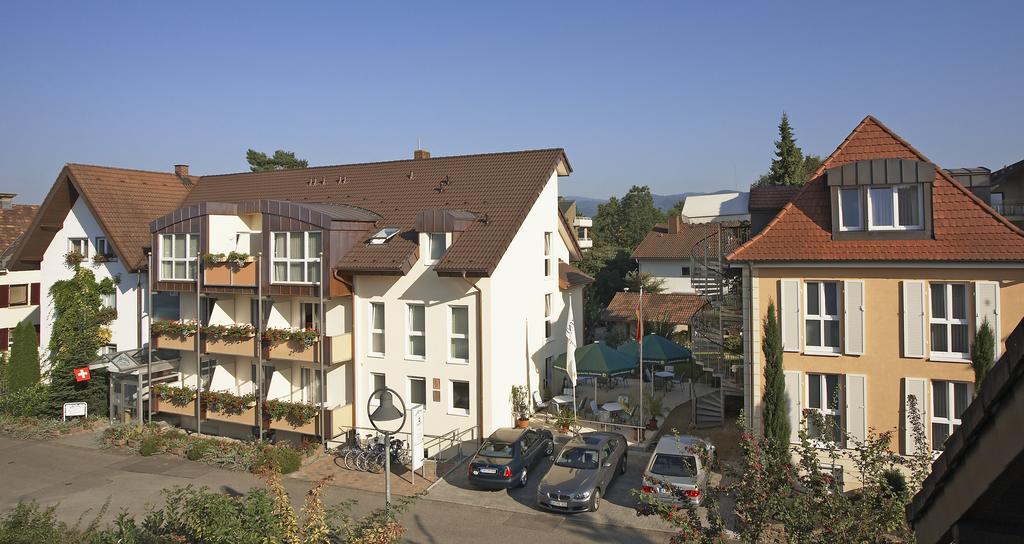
<point x="82" y="374"/>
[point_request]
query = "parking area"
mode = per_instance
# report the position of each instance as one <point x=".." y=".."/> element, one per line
<point x="617" y="505"/>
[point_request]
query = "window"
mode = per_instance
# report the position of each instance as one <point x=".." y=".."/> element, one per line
<point x="108" y="300"/>
<point x="377" y="329"/>
<point x="103" y="248"/>
<point x="79" y="245"/>
<point x="296" y="257"/>
<point x="949" y="400"/>
<point x="547" y="254"/>
<point x="268" y="373"/>
<point x="895" y="208"/>
<point x="459" y="334"/>
<point x="684" y="272"/>
<point x="436" y="245"/>
<point x="822" y="322"/>
<point x="206" y="367"/>
<point x="547" y="317"/>
<point x="850" y="214"/>
<point x="178" y="256"/>
<point x="108" y="349"/>
<point x="310" y="314"/>
<point x="18" y="295"/>
<point x="418" y="391"/>
<point x="206" y="306"/>
<point x="459" y="398"/>
<point x="823" y="398"/>
<point x="996" y="200"/>
<point x="166" y="306"/>
<point x="309" y="388"/>
<point x="255" y="310"/>
<point x="377" y="381"/>
<point x="949" y="321"/>
<point x="417" y="347"/>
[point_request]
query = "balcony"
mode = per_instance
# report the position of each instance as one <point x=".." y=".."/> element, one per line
<point x="227" y="274"/>
<point x="341" y="348"/>
<point x="247" y="417"/>
<point x="585" y="243"/>
<point x="165" y="407"/>
<point x="583" y="221"/>
<point x="229" y="346"/>
<point x="292" y="350"/>
<point x="175" y="341"/>
<point x="336" y="418"/>
<point x="1010" y="210"/>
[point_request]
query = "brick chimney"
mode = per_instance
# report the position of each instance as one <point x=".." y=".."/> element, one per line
<point x="421" y="154"/>
<point x="7" y="201"/>
<point x="674" y="223"/>
<point x="181" y="170"/>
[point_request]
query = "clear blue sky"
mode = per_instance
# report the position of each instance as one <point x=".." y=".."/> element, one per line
<point x="678" y="96"/>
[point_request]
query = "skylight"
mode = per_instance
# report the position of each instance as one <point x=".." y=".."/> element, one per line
<point x="383" y="235"/>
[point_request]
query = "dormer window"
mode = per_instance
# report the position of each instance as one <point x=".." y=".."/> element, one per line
<point x="851" y="210"/>
<point x="437" y="244"/>
<point x="881" y="198"/>
<point x="296" y="257"/>
<point x="895" y="208"/>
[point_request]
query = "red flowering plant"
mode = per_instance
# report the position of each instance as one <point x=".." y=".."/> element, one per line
<point x="227" y="403"/>
<point x="178" y="329"/>
<point x="230" y="333"/>
<point x="306" y="337"/>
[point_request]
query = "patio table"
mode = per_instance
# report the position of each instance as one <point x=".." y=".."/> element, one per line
<point x="562" y="400"/>
<point x="612" y="407"/>
<point x="664" y="374"/>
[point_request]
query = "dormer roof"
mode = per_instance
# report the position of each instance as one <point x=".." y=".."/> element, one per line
<point x="964" y="227"/>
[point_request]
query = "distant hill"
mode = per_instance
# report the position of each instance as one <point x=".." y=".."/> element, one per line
<point x="588" y="206"/>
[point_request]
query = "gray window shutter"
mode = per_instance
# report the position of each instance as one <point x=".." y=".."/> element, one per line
<point x="986" y="306"/>
<point x="789" y="310"/>
<point x="913" y="319"/>
<point x="853" y="317"/>
<point x="794" y="404"/>
<point x="856" y="407"/>
<point x="918" y="387"/>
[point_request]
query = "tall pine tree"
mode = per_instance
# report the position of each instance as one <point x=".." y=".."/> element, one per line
<point x="79" y="330"/>
<point x="23" y="367"/>
<point x="773" y="401"/>
<point x="983" y="353"/>
<point x="787" y="166"/>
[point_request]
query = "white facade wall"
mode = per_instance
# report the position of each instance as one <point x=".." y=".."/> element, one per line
<point x="11" y="316"/>
<point x="514" y="312"/>
<point x="671" y="272"/>
<point x="80" y="223"/>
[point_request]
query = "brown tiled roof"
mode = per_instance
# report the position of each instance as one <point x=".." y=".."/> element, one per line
<point x="771" y="197"/>
<point x="122" y="200"/>
<point x="14" y="221"/>
<point x="964" y="227"/>
<point x="661" y="244"/>
<point x="671" y="307"/>
<point x="500" y="188"/>
<point x="569" y="276"/>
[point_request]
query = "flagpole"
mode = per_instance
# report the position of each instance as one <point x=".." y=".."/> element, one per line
<point x="640" y="340"/>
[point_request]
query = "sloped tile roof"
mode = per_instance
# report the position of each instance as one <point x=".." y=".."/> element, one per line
<point x="672" y="307"/>
<point x="772" y="197"/>
<point x="964" y="227"/>
<point x="662" y="244"/>
<point x="569" y="276"/>
<point x="499" y="188"/>
<point x="14" y="221"/>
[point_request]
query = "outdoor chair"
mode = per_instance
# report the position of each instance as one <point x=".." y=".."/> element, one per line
<point x="582" y="405"/>
<point x="538" y="403"/>
<point x="628" y="416"/>
<point x="594" y="408"/>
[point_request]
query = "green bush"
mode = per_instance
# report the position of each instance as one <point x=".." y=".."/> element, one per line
<point x="151" y="445"/>
<point x="283" y="458"/>
<point x="27" y="402"/>
<point x="197" y="450"/>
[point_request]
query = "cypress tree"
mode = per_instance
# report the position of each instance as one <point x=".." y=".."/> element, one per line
<point x="773" y="401"/>
<point x="79" y="330"/>
<point x="983" y="353"/>
<point x="787" y="167"/>
<point x="23" y="367"/>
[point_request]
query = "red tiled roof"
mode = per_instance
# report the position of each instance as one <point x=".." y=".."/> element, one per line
<point x="672" y="307"/>
<point x="569" y="276"/>
<point x="14" y="221"/>
<point x="771" y="197"/>
<point x="964" y="227"/>
<point x="661" y="244"/>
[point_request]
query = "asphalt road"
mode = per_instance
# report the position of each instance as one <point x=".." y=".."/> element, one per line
<point x="81" y="479"/>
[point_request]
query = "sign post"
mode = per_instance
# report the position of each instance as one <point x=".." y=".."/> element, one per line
<point x="416" y="440"/>
<point x="75" y="409"/>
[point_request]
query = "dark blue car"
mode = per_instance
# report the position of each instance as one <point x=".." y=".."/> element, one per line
<point x="504" y="459"/>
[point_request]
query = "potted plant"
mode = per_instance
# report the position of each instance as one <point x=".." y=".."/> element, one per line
<point x="655" y="408"/>
<point x="566" y="421"/>
<point x="73" y="259"/>
<point x="520" y="399"/>
<point x="239" y="259"/>
<point x="214" y="258"/>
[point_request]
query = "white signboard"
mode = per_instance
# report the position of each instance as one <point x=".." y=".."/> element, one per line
<point x="417" y="437"/>
<point x="75" y="409"/>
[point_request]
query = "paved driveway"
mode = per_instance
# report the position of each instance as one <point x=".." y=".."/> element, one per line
<point x="617" y="504"/>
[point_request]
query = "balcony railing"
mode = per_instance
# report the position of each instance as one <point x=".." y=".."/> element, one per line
<point x="183" y="343"/>
<point x="227" y="274"/>
<point x="247" y="417"/>
<point x="1010" y="209"/>
<point x="336" y="418"/>
<point x="227" y="346"/>
<point x="583" y="221"/>
<point x="586" y="243"/>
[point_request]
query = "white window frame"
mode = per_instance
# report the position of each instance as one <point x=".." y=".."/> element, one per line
<point x="432" y="238"/>
<point x="896" y="208"/>
<point x="409" y="388"/>
<point x="108" y="300"/>
<point x="453" y="335"/>
<point x="373" y="387"/>
<point x="948" y="322"/>
<point x="548" y="325"/>
<point x="822" y="318"/>
<point x="410" y="333"/>
<point x="823" y="401"/>
<point x="103" y="247"/>
<point x="191" y="263"/>
<point x="547" y="255"/>
<point x="373" y="308"/>
<point x="301" y="325"/>
<point x="80" y="245"/>
<point x="288" y="259"/>
<point x="452" y="410"/>
<point x="860" y="209"/>
<point x="951" y="421"/>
